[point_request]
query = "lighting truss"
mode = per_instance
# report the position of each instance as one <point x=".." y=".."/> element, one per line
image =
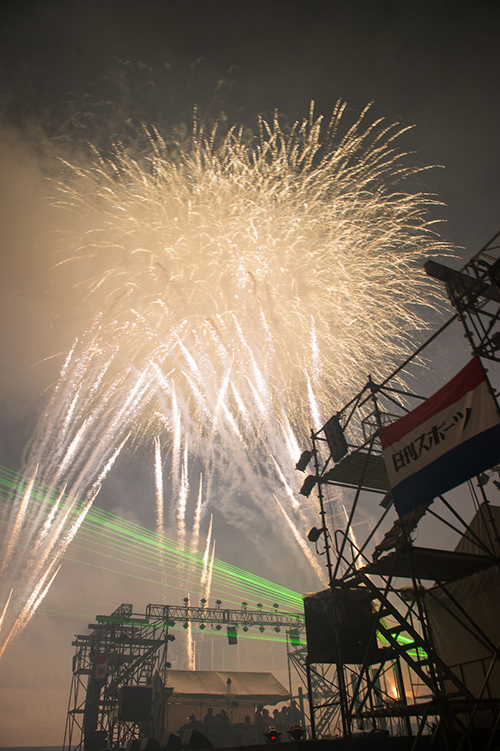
<point x="136" y="645"/>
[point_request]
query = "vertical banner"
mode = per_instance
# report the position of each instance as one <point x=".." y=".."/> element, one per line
<point x="101" y="669"/>
<point x="451" y="437"/>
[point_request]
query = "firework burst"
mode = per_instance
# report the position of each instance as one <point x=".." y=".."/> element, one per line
<point x="241" y="287"/>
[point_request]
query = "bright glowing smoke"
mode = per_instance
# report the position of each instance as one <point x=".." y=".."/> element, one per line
<point x="242" y="286"/>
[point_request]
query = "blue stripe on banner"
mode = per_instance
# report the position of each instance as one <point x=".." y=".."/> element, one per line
<point x="452" y="469"/>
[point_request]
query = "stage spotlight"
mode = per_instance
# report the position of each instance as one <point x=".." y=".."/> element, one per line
<point x="483" y="479"/>
<point x="218" y="603"/>
<point x="185" y="625"/>
<point x="335" y="438"/>
<point x="277" y="629"/>
<point x="244" y="605"/>
<point x="496" y="484"/>
<point x="202" y="626"/>
<point x="245" y="629"/>
<point x="170" y="637"/>
<point x="308" y="485"/>
<point x="304" y="460"/>
<point x="272" y="735"/>
<point x="185" y="600"/>
<point x="218" y="627"/>
<point x="296" y="732"/>
<point x="314" y="534"/>
<point x="261" y="629"/>
<point x="203" y="602"/>
<point x="275" y="605"/>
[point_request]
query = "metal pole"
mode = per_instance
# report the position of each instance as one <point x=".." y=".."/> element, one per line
<point x="311" y="705"/>
<point x="322" y="509"/>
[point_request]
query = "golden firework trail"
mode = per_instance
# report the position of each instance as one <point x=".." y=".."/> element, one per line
<point x="241" y="288"/>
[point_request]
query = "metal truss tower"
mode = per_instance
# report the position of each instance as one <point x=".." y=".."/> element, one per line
<point x="372" y="626"/>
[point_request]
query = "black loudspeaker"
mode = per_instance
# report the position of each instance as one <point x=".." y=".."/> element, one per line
<point x="133" y="745"/>
<point x="232" y="635"/>
<point x="193" y="739"/>
<point x="170" y="742"/>
<point x="95" y="740"/>
<point x="150" y="744"/>
<point x="135" y="703"/>
<point x="353" y="640"/>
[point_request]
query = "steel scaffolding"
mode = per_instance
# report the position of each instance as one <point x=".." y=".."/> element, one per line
<point x="394" y="680"/>
<point x="133" y="648"/>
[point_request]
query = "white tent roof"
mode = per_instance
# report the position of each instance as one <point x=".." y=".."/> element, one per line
<point x="211" y="683"/>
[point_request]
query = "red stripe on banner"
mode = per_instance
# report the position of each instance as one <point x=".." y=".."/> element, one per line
<point x="466" y="380"/>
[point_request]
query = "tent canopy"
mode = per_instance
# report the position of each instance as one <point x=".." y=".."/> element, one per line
<point x="205" y="684"/>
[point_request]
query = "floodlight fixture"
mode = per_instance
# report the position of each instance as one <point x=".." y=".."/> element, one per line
<point x="202" y="626"/>
<point x="203" y="602"/>
<point x="185" y="624"/>
<point x="275" y="605"/>
<point x="314" y="534"/>
<point x="245" y="629"/>
<point x="218" y="603"/>
<point x="483" y="479"/>
<point x="277" y="629"/>
<point x="260" y="605"/>
<point x="261" y="629"/>
<point x="335" y="438"/>
<point x="272" y="734"/>
<point x="244" y="605"/>
<point x="185" y="600"/>
<point x="304" y="460"/>
<point x="308" y="485"/>
<point x="296" y="732"/>
<point x="218" y="627"/>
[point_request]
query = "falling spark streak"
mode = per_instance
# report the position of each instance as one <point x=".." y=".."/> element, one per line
<point x="291" y="495"/>
<point x="300" y="540"/>
<point x="240" y="291"/>
<point x="23" y="508"/>
<point x="176" y="439"/>
<point x="50" y="519"/>
<point x="71" y="451"/>
<point x="29" y="609"/>
<point x="197" y="517"/>
<point x="160" y="522"/>
<point x="183" y="496"/>
<point x="102" y="476"/>
<point x="5" y="608"/>
<point x="315" y="414"/>
<point x="208" y="588"/>
<point x="40" y="562"/>
<point x="315" y="352"/>
<point x="204" y="575"/>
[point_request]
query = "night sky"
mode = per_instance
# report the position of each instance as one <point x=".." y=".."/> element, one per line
<point x="84" y="71"/>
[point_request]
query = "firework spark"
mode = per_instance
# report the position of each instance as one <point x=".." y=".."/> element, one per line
<point x="241" y="290"/>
